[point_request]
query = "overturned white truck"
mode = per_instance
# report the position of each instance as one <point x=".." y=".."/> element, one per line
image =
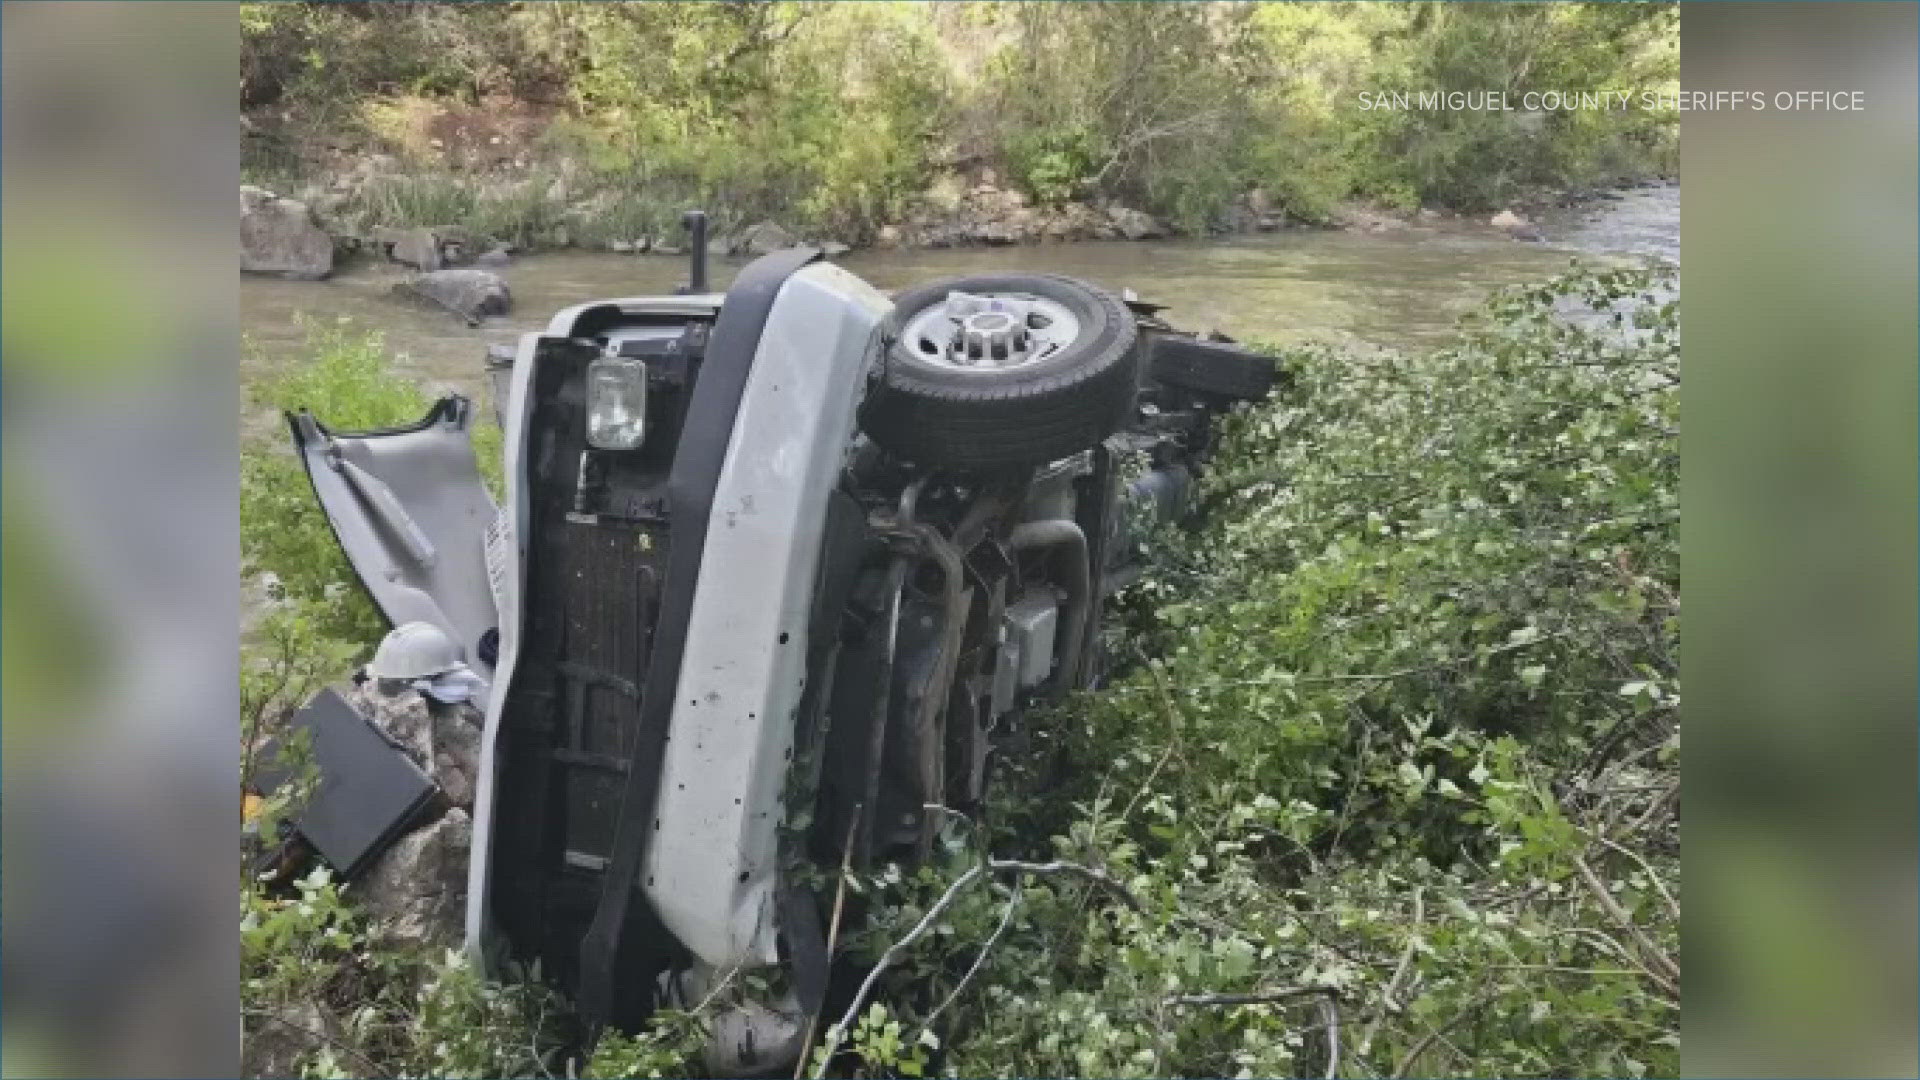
<point x="777" y="572"/>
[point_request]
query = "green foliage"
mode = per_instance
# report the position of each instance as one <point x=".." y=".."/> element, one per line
<point x="309" y="964"/>
<point x="521" y="213"/>
<point x="1405" y="756"/>
<point x="834" y="117"/>
<point x="1477" y="160"/>
<point x="312" y="63"/>
<point x="282" y="530"/>
<point x="1178" y="108"/>
<point x="1053" y="164"/>
<point x="1149" y="103"/>
<point x="667" y="1045"/>
<point x="821" y="115"/>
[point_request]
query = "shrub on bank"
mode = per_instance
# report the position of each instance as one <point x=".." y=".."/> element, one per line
<point x="1402" y="758"/>
<point x="834" y="117"/>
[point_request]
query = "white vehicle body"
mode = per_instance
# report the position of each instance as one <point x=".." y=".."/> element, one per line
<point x="794" y="542"/>
<point x="711" y="867"/>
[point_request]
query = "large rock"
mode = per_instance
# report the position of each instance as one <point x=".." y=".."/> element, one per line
<point x="1514" y="225"/>
<point x="280" y="238"/>
<point x="418" y="248"/>
<point x="444" y="740"/>
<point x="995" y="231"/>
<point x="1134" y="224"/>
<point x="764" y="239"/>
<point x="945" y="194"/>
<point x="1356" y="218"/>
<point x="472" y="294"/>
<point x="416" y="891"/>
<point x="457" y="246"/>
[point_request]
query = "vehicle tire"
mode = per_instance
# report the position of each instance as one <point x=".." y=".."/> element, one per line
<point x="1219" y="368"/>
<point x="958" y="389"/>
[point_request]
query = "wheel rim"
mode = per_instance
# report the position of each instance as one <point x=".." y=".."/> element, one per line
<point x="988" y="332"/>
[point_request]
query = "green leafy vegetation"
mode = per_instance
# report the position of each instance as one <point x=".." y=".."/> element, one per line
<point x="834" y="117"/>
<point x="283" y="533"/>
<point x="1403" y="758"/>
<point x="1391" y="787"/>
<point x="353" y="1004"/>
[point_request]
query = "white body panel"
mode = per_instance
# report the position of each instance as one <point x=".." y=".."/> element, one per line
<point x="711" y="870"/>
<point x="504" y="542"/>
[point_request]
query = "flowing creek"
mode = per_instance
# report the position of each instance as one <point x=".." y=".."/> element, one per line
<point x="1399" y="289"/>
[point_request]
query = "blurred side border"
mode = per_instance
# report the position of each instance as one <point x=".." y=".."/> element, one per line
<point x="118" y="595"/>
<point x="1799" y="488"/>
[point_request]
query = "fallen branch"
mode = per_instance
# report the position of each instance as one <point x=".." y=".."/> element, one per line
<point x="838" y="1032"/>
<point x="1436" y="1034"/>
<point x="1263" y="997"/>
<point x="1392" y="993"/>
<point x="1088" y="873"/>
<point x="320" y="1035"/>
<point x="1006" y="920"/>
<point x="833" y="934"/>
<point x="1331" y="1010"/>
<point x="1668" y="973"/>
<point x="1673" y="906"/>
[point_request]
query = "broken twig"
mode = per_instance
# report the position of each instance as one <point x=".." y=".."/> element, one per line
<point x="1264" y="997"/>
<point x="833" y="934"/>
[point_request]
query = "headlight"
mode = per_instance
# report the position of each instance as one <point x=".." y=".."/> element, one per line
<point x="616" y="402"/>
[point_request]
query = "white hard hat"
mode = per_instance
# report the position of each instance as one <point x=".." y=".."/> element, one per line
<point x="415" y="650"/>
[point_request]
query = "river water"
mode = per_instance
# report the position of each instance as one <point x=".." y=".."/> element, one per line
<point x="1399" y="289"/>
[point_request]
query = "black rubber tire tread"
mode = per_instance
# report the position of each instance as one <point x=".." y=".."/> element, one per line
<point x="976" y="421"/>
<point x="1211" y="367"/>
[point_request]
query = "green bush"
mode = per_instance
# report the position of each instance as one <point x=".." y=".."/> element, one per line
<point x="359" y="1005"/>
<point x="347" y="383"/>
<point x="833" y="117"/>
<point x="1053" y="165"/>
<point x="1478" y="160"/>
<point x="819" y="116"/>
<point x="1405" y="755"/>
<point x="1180" y="108"/>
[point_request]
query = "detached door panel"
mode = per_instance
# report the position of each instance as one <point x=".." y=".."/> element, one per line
<point x="411" y="512"/>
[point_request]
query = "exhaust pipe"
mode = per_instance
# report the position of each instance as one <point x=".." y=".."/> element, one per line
<point x="695" y="222"/>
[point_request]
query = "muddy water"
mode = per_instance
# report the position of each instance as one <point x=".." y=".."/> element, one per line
<point x="1398" y="289"/>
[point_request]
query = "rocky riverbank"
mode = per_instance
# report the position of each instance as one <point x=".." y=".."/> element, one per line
<point x="355" y="209"/>
<point x="453" y="221"/>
